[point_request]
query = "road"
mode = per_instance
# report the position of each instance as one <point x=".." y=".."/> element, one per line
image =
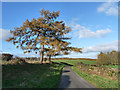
<point x="70" y="79"/>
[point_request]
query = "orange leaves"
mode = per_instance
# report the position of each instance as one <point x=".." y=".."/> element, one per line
<point x="35" y="33"/>
<point x="37" y="39"/>
<point x="36" y="48"/>
<point x="30" y="47"/>
<point x="11" y="31"/>
<point x="57" y="13"/>
<point x="23" y="41"/>
<point x="25" y="52"/>
<point x="14" y="34"/>
<point x="16" y="41"/>
<point x="61" y="21"/>
<point x="13" y="42"/>
<point x="66" y="53"/>
<point x="9" y="39"/>
<point x="17" y="46"/>
<point x="29" y="51"/>
<point x="47" y="12"/>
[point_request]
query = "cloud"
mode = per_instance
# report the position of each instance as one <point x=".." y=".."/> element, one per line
<point x="109" y="8"/>
<point x="4" y="34"/>
<point x="102" y="47"/>
<point x="84" y="32"/>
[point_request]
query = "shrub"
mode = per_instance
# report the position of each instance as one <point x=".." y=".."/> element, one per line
<point x="7" y="57"/>
<point x="108" y="58"/>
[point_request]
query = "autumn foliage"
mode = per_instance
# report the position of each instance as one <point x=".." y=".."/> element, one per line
<point x="109" y="58"/>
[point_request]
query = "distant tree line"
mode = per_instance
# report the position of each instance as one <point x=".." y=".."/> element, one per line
<point x="109" y="58"/>
<point x="6" y="56"/>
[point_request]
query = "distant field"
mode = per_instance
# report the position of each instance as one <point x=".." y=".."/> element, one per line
<point x="73" y="62"/>
<point x="90" y="62"/>
<point x="74" y="59"/>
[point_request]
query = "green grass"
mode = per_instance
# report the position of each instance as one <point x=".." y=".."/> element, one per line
<point x="31" y="76"/>
<point x="111" y="66"/>
<point x="74" y="62"/>
<point x="96" y="80"/>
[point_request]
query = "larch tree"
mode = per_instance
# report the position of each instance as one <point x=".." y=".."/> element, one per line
<point x="44" y="35"/>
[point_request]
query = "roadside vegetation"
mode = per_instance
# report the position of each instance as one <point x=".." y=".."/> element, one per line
<point x="101" y="77"/>
<point x="97" y="80"/>
<point x="102" y="73"/>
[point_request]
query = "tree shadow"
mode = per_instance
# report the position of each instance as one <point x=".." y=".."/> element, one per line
<point x="65" y="81"/>
<point x="56" y="63"/>
<point x="66" y="64"/>
<point x="64" y="71"/>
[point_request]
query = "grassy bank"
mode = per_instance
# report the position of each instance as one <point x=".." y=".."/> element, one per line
<point x="31" y="75"/>
<point x="98" y="81"/>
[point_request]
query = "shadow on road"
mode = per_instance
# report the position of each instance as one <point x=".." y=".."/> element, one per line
<point x="66" y="64"/>
<point x="66" y="71"/>
<point x="65" y="81"/>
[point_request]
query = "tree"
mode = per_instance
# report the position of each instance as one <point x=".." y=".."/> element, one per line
<point x="6" y="56"/>
<point x="44" y="35"/>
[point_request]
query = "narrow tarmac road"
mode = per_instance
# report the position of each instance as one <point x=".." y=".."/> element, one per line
<point x="70" y="79"/>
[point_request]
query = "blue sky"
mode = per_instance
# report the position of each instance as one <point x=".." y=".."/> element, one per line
<point x="94" y="24"/>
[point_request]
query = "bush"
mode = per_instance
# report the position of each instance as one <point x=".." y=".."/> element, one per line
<point x="109" y="58"/>
<point x="7" y="57"/>
<point x="20" y="61"/>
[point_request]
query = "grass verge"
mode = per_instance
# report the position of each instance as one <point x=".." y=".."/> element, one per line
<point x="98" y="81"/>
<point x="31" y="75"/>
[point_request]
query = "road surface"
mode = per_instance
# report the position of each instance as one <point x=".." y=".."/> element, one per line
<point x="70" y="79"/>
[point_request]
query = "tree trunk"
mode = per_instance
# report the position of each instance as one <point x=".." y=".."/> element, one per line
<point x="42" y="54"/>
<point x="50" y="59"/>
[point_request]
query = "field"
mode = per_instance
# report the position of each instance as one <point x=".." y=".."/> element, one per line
<point x="31" y="75"/>
<point x="74" y="62"/>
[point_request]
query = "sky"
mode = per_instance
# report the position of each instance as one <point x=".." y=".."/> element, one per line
<point x="94" y="25"/>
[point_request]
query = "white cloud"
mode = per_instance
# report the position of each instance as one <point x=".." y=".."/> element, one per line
<point x="84" y="32"/>
<point x="109" y="8"/>
<point x="4" y="34"/>
<point x="102" y="47"/>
